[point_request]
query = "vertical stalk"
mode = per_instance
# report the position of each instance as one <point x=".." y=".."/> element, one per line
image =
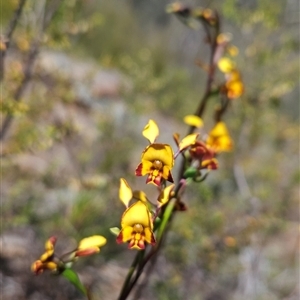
<point x="169" y="210"/>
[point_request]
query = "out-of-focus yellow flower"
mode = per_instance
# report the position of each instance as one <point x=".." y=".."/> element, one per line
<point x="234" y="86"/>
<point x="193" y="120"/>
<point x="226" y="65"/>
<point x="136" y="226"/>
<point x="219" y="138"/>
<point x="209" y="16"/>
<point x="90" y="245"/>
<point x="224" y="38"/>
<point x="232" y="50"/>
<point x="157" y="161"/>
<point x="46" y="260"/>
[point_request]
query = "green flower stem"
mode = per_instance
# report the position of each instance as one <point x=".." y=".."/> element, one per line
<point x="127" y="284"/>
<point x="165" y="219"/>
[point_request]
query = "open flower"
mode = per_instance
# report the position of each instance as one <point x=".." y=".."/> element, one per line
<point x="157" y="160"/>
<point x="136" y="226"/>
<point x="219" y="139"/>
<point x="47" y="260"/>
<point x="136" y="222"/>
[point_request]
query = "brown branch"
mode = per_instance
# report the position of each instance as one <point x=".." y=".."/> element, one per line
<point x="10" y="30"/>
<point x="28" y="69"/>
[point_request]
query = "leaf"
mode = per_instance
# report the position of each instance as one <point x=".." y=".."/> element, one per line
<point x="115" y="230"/>
<point x="72" y="276"/>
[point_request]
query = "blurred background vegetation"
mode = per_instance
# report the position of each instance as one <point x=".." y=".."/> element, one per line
<point x="102" y="69"/>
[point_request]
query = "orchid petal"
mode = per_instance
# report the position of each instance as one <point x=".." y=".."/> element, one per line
<point x="188" y="141"/>
<point x="151" y="131"/>
<point x="193" y="120"/>
<point x="161" y="152"/>
<point x="164" y="196"/>
<point x="140" y="195"/>
<point x="92" y="242"/>
<point x="137" y="213"/>
<point x="125" y="192"/>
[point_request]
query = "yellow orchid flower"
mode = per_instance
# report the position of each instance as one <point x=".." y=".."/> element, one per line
<point x="219" y="138"/>
<point x="157" y="160"/>
<point x="136" y="226"/>
<point x="90" y="245"/>
<point x="234" y="86"/>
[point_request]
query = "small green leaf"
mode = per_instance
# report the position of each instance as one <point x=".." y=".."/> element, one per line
<point x="165" y="218"/>
<point x="115" y="230"/>
<point x="74" y="279"/>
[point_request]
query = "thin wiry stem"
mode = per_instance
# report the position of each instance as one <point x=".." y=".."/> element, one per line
<point x="153" y="254"/>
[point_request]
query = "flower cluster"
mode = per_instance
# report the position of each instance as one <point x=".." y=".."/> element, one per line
<point x="202" y="154"/>
<point x="157" y="161"/>
<point x="233" y="86"/>
<point x="57" y="264"/>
